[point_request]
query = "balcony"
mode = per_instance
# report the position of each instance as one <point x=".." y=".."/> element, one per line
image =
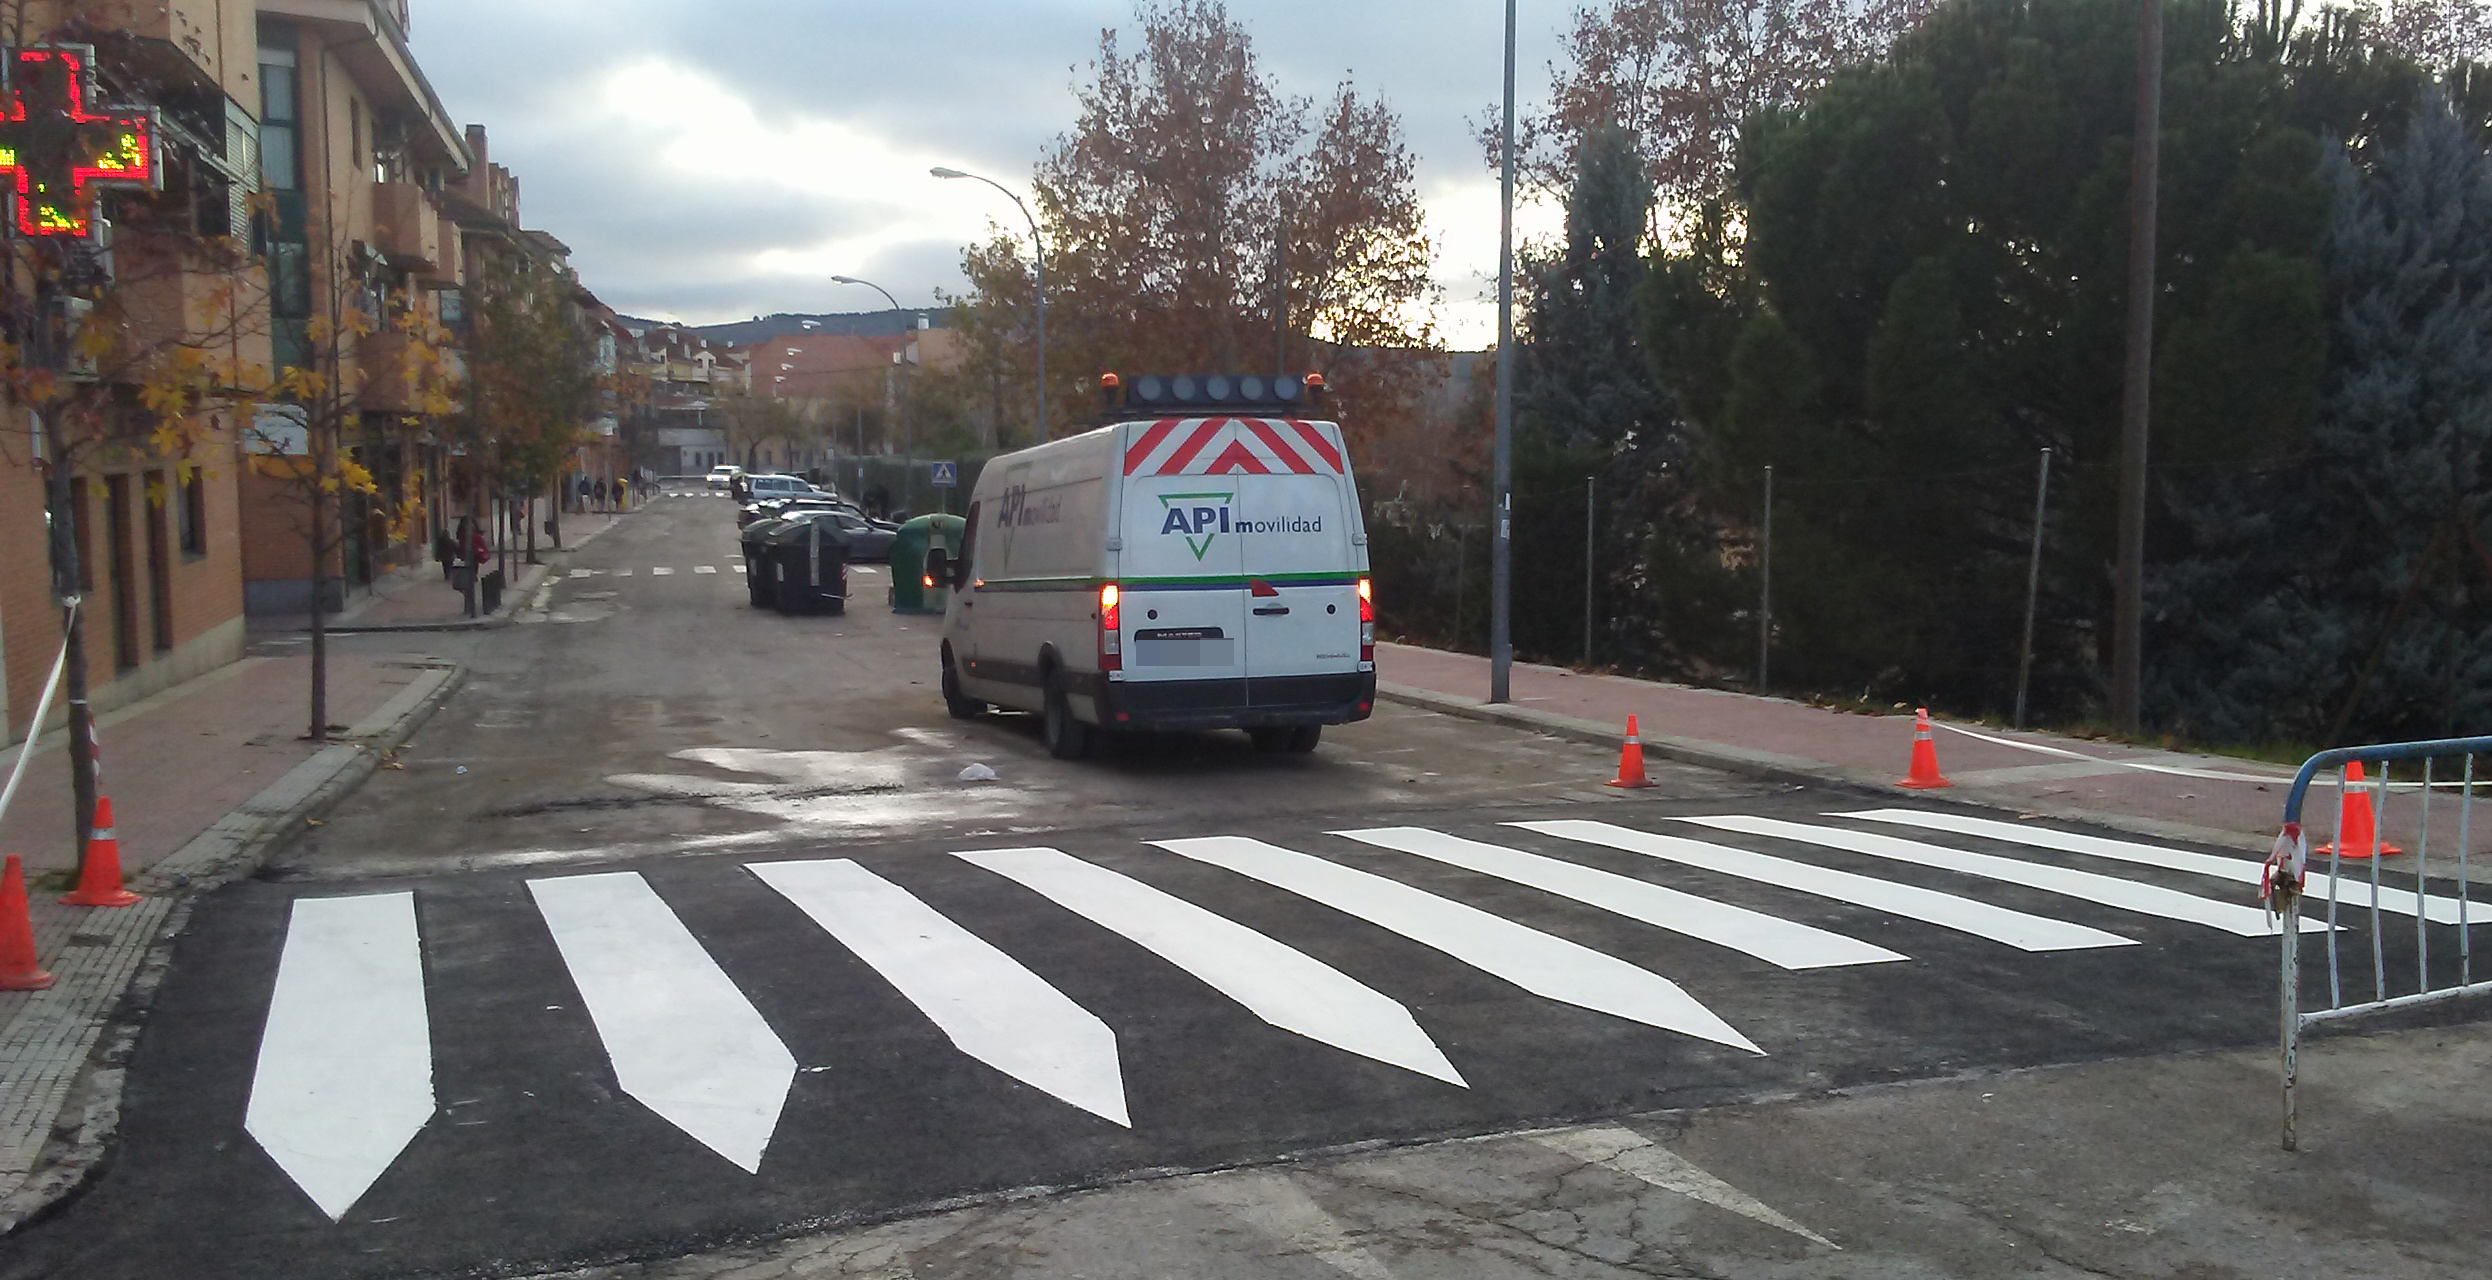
<point x="407" y="228"/>
<point x="397" y="373"/>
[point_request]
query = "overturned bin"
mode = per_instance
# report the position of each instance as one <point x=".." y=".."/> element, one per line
<point x="808" y="565"/>
<point x="910" y="592"/>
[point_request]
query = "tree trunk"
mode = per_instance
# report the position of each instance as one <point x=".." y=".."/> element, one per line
<point x="81" y="753"/>
<point x="528" y="513"/>
<point x="319" y="596"/>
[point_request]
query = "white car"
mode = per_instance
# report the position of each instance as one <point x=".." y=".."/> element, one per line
<point x="1168" y="572"/>
<point x="722" y="473"/>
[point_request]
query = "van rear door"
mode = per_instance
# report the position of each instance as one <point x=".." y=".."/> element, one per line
<point x="1181" y="571"/>
<point x="1296" y="520"/>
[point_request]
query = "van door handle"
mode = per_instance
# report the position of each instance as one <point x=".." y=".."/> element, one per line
<point x="1271" y="610"/>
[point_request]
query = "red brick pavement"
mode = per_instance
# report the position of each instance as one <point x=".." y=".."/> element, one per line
<point x="180" y="761"/>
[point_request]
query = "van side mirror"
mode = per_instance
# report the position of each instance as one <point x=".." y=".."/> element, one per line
<point x="938" y="567"/>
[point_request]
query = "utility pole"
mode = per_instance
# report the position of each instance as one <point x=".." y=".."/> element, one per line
<point x="2128" y="603"/>
<point x="1501" y="488"/>
<point x="2033" y="590"/>
<point x="1765" y="580"/>
<point x="1587" y="570"/>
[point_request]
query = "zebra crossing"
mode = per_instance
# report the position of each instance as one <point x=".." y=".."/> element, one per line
<point x="344" y="1085"/>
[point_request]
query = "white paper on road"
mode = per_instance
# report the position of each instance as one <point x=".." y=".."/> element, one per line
<point x="2128" y="895"/>
<point x="993" y="1009"/>
<point x="682" y="1038"/>
<point x="1278" y="983"/>
<point x="2441" y="909"/>
<point x="345" y="1074"/>
<point x="1541" y="963"/>
<point x="1776" y="941"/>
<point x="2017" y="929"/>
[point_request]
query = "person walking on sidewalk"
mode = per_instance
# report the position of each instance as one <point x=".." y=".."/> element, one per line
<point x="582" y="488"/>
<point x="622" y="495"/>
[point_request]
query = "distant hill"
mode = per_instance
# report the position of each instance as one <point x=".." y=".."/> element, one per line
<point x="863" y="323"/>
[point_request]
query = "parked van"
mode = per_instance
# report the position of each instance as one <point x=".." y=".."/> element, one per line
<point x="1168" y="572"/>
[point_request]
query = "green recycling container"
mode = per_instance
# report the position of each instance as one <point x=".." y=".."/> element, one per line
<point x="909" y="592"/>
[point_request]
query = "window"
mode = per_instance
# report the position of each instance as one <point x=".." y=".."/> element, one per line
<point x="194" y="514"/>
<point x="158" y="497"/>
<point x="278" y="167"/>
<point x="354" y="133"/>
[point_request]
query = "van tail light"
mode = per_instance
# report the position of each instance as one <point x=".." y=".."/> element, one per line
<point x="1111" y="641"/>
<point x="1366" y="620"/>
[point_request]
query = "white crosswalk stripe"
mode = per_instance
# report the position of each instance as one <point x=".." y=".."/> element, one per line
<point x="2111" y="891"/>
<point x="1280" y="984"/>
<point x="1999" y="924"/>
<point x="1541" y="963"/>
<point x="582" y="573"/>
<point x="1769" y="938"/>
<point x="682" y="1037"/>
<point x="992" y="1008"/>
<point x="660" y="571"/>
<point x="345" y="1074"/>
<point x="705" y="568"/>
<point x="622" y="573"/>
<point x="344" y="1079"/>
<point x="2441" y="909"/>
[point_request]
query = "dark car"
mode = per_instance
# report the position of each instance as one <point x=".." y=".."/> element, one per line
<point x="789" y="568"/>
<point x="765" y="508"/>
<point x="868" y="539"/>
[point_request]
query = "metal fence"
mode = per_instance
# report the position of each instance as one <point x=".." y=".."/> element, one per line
<point x="2366" y="904"/>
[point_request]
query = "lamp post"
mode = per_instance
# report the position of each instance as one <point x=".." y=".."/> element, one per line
<point x="908" y="462"/>
<point x="1501" y="491"/>
<point x="1038" y="250"/>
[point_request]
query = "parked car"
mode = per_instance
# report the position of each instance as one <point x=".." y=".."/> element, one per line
<point x="722" y="474"/>
<point x="868" y="539"/>
<point x="765" y="508"/>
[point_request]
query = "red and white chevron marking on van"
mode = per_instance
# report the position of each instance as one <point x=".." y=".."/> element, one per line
<point x="1233" y="446"/>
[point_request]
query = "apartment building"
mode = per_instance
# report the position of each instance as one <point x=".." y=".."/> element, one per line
<point x="161" y="571"/>
<point x="360" y="160"/>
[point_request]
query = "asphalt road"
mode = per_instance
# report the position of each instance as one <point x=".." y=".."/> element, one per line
<point x="709" y="941"/>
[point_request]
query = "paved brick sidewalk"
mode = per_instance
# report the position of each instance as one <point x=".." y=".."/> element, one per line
<point x="1779" y="735"/>
<point x="420" y="597"/>
<point x="175" y="763"/>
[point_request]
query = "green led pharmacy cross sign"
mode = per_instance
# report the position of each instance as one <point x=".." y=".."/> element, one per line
<point x="55" y="151"/>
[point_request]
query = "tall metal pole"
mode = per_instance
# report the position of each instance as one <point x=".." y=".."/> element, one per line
<point x="1765" y="580"/>
<point x="1038" y="250"/>
<point x="2128" y="604"/>
<point x="1587" y="570"/>
<point x="2033" y="589"/>
<point x="1501" y="495"/>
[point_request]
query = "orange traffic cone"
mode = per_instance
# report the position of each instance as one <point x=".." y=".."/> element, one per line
<point x="1630" y="760"/>
<point x="1924" y="774"/>
<point x="18" y="971"/>
<point x="99" y="879"/>
<point x="2358" y="829"/>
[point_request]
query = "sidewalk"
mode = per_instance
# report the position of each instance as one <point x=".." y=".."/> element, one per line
<point x="419" y="598"/>
<point x="2218" y="800"/>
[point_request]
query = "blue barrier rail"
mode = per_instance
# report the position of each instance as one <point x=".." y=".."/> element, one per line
<point x="2286" y="891"/>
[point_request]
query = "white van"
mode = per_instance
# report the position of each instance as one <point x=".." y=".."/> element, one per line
<point x="1196" y="572"/>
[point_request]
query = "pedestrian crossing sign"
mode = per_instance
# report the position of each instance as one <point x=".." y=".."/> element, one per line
<point x="946" y="474"/>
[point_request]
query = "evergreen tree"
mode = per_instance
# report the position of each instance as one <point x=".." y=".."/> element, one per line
<point x="1585" y="380"/>
<point x="2351" y="595"/>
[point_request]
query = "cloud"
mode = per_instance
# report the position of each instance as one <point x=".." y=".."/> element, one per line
<point x="714" y="162"/>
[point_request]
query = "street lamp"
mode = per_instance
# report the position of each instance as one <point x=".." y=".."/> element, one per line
<point x="1038" y="249"/>
<point x="908" y="448"/>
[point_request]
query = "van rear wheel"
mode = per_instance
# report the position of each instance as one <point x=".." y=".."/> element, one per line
<point x="1303" y="738"/>
<point x="1269" y="738"/>
<point x="1067" y="738"/>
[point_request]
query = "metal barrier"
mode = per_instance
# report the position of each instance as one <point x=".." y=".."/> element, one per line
<point x="2286" y="888"/>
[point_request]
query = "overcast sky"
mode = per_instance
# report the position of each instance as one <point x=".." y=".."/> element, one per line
<point x="719" y="160"/>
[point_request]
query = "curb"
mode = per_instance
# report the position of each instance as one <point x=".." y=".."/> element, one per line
<point x="83" y="1130"/>
<point x="1794" y="770"/>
